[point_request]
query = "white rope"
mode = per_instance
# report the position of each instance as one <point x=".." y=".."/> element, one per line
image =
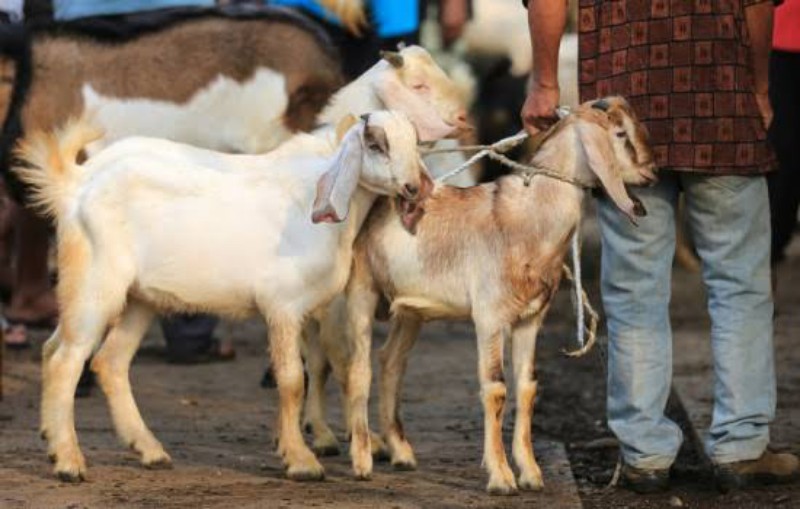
<point x="500" y="147"/>
<point x="576" y="270"/>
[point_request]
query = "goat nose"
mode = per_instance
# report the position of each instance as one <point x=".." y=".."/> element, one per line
<point x="411" y="190"/>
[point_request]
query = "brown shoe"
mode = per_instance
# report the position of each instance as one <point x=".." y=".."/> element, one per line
<point x="770" y="468"/>
<point x="644" y="481"/>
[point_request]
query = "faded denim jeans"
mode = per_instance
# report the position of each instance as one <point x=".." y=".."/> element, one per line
<point x="728" y="217"/>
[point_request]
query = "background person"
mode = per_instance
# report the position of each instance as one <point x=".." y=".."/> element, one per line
<point x="784" y="131"/>
<point x="696" y="74"/>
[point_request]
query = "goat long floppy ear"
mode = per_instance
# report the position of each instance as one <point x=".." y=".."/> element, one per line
<point x="394" y="94"/>
<point x="602" y="161"/>
<point x="336" y="187"/>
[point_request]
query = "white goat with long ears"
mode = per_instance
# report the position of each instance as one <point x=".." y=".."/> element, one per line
<point x="149" y="226"/>
<point x="492" y="253"/>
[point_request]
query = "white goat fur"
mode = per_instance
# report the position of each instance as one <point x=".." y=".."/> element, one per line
<point x="248" y="116"/>
<point x="492" y="253"/>
<point x="149" y="226"/>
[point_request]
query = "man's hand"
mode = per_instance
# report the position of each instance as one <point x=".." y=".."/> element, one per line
<point x="765" y="108"/>
<point x="539" y="110"/>
<point x="546" y="20"/>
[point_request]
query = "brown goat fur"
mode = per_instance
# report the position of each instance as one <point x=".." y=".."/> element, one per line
<point x="198" y="50"/>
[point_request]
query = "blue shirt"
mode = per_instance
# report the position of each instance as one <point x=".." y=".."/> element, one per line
<point x="72" y="9"/>
<point x="392" y="17"/>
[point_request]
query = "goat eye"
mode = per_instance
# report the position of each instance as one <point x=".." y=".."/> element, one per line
<point x="620" y="134"/>
<point x="420" y="87"/>
<point x="375" y="147"/>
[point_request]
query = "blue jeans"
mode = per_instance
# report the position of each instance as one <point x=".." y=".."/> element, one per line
<point x="729" y="221"/>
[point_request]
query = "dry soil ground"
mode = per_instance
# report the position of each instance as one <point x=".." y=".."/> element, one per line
<point x="217" y="424"/>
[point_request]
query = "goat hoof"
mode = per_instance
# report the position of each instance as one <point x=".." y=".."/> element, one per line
<point x="381" y="454"/>
<point x="303" y="474"/>
<point x="71" y="475"/>
<point x="501" y="488"/>
<point x="530" y="483"/>
<point x="158" y="464"/>
<point x="363" y="476"/>
<point x="327" y="450"/>
<point x="404" y="465"/>
<point x="380" y="451"/>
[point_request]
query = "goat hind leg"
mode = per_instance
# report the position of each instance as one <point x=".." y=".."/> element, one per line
<point x="112" y="365"/>
<point x="393" y="360"/>
<point x="524" y="354"/>
<point x="65" y="354"/>
<point x="325" y="442"/>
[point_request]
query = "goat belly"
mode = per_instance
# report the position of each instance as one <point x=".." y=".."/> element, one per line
<point x="225" y="246"/>
<point x="429" y="309"/>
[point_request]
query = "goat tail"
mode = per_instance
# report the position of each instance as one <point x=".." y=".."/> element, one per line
<point x="350" y="12"/>
<point x="48" y="164"/>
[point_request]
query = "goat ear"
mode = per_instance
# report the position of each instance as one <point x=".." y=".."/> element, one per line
<point x="600" y="158"/>
<point x="336" y="187"/>
<point x="395" y="95"/>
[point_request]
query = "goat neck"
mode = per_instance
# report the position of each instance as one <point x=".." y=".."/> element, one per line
<point x="360" y="205"/>
<point x="551" y="206"/>
<point x="356" y="98"/>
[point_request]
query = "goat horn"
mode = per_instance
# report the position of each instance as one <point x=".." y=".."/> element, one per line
<point x="393" y="57"/>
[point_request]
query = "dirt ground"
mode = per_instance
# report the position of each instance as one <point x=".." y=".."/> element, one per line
<point x="217" y="424"/>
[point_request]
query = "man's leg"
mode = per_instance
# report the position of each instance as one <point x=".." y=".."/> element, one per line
<point x="33" y="298"/>
<point x="635" y="283"/>
<point x="729" y="218"/>
<point x="190" y="338"/>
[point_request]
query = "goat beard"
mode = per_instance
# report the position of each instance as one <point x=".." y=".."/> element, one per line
<point x="410" y="213"/>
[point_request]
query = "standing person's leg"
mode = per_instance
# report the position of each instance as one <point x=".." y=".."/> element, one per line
<point x="33" y="299"/>
<point x="635" y="282"/>
<point x="784" y="184"/>
<point x="190" y="339"/>
<point x="729" y="218"/>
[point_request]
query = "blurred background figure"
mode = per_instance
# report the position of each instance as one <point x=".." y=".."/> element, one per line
<point x="11" y="11"/>
<point x="189" y="338"/>
<point x="784" y="131"/>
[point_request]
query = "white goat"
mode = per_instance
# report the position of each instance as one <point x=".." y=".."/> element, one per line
<point x="492" y="253"/>
<point x="407" y="81"/>
<point x="149" y="226"/>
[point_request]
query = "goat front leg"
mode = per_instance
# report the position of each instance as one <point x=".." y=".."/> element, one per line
<point x="394" y="358"/>
<point x="361" y="303"/>
<point x="493" y="396"/>
<point x="314" y="421"/>
<point x="524" y="355"/>
<point x="112" y="365"/>
<point x="300" y="462"/>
